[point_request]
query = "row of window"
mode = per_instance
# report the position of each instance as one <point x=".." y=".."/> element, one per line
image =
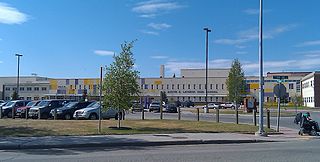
<point x="182" y="86"/>
<point x="307" y="84"/>
<point x="308" y="99"/>
<point x="201" y="99"/>
<point x="26" y="88"/>
<point x="27" y="98"/>
<point x="256" y="81"/>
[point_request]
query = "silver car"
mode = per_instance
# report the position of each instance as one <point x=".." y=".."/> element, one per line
<point x="92" y="112"/>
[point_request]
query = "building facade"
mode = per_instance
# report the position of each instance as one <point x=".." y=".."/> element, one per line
<point x="311" y="89"/>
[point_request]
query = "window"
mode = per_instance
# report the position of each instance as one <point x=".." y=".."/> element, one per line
<point x="29" y="98"/>
<point x="290" y="85"/>
<point x="210" y="86"/>
<point x="172" y="86"/>
<point x="36" y="88"/>
<point x="311" y="83"/>
<point x="216" y="86"/>
<point x="141" y="86"/>
<point x="194" y="86"/>
<point x="167" y="86"/>
<point x="188" y="86"/>
<point x="182" y="98"/>
<point x="182" y="86"/>
<point x="222" y="86"/>
<point x="157" y="86"/>
<point x="161" y="86"/>
<point x="199" y="98"/>
<point x="199" y="86"/>
<point x="7" y="88"/>
<point x="178" y="86"/>
<point x="29" y="88"/>
<point x="151" y="86"/>
<point x="146" y="86"/>
<point x="14" y="89"/>
<point x="21" y="88"/>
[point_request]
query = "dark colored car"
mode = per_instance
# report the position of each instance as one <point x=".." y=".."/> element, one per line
<point x="171" y="108"/>
<point x="7" y="109"/>
<point x="21" y="111"/>
<point x="188" y="104"/>
<point x="45" y="107"/>
<point x="66" y="112"/>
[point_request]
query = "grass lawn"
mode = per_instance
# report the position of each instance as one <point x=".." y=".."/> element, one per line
<point x="21" y="127"/>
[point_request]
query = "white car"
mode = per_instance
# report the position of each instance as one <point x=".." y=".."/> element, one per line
<point x="214" y="105"/>
<point x="92" y="112"/>
<point x="228" y="105"/>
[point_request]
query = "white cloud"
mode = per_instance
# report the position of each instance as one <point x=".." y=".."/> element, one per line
<point x="159" y="57"/>
<point x="1" y="62"/>
<point x="104" y="53"/>
<point x="240" y="46"/>
<point x="241" y="52"/>
<point x="153" y="8"/>
<point x="253" y="34"/>
<point x="309" y="43"/>
<point x="314" y="53"/>
<point x="10" y="15"/>
<point x="160" y="26"/>
<point x="150" y="32"/>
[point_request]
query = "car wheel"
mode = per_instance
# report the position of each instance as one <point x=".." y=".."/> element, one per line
<point x="67" y="117"/>
<point x="232" y="107"/>
<point x="9" y="115"/>
<point x="93" y="117"/>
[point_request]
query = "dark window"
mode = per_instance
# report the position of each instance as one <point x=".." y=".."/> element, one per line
<point x="44" y="88"/>
<point x="36" y="88"/>
<point x="7" y="88"/>
<point x="211" y="86"/>
<point x="146" y="86"/>
<point x="222" y="86"/>
<point x="21" y="88"/>
<point x="194" y="86"/>
<point x="167" y="86"/>
<point x="161" y="86"/>
<point x="178" y="86"/>
<point x="188" y="86"/>
<point x="157" y="86"/>
<point x="290" y="85"/>
<point x="29" y="88"/>
<point x="199" y="86"/>
<point x="151" y="86"/>
<point x="182" y="86"/>
<point x="216" y="86"/>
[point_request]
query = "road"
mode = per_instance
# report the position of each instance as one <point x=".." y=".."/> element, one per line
<point x="276" y="151"/>
<point x="243" y="118"/>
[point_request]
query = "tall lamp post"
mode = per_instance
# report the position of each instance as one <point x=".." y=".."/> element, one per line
<point x="261" y="81"/>
<point x="17" y="90"/>
<point x="206" y="86"/>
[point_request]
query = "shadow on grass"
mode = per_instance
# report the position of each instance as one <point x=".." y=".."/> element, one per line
<point x="23" y="132"/>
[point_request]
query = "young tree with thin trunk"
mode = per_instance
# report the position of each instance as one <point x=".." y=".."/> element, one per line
<point x="236" y="82"/>
<point x="120" y="85"/>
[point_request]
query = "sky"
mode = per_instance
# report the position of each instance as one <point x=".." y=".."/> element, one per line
<point x="74" y="38"/>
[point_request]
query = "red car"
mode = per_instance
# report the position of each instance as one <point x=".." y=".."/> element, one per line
<point x="21" y="111"/>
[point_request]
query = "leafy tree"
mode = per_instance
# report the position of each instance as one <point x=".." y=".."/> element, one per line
<point x="120" y="85"/>
<point x="236" y="84"/>
<point x="15" y="95"/>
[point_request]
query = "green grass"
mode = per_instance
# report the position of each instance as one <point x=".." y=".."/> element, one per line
<point x="9" y="127"/>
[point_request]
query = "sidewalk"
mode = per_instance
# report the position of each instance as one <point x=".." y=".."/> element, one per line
<point x="9" y="143"/>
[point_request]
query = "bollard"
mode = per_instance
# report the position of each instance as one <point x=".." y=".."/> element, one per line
<point x="27" y="111"/>
<point x="12" y="112"/>
<point x="217" y="115"/>
<point x="142" y="114"/>
<point x="161" y="111"/>
<point x="0" y="112"/>
<point x="254" y="117"/>
<point x="179" y="113"/>
<point x="39" y="114"/>
<point x="268" y="118"/>
<point x="198" y="114"/>
<point x="237" y="116"/>
<point x="55" y="114"/>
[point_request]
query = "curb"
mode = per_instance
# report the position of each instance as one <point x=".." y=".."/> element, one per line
<point x="131" y="144"/>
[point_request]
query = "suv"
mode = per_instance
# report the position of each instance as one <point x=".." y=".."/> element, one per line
<point x="214" y="105"/>
<point x="228" y="105"/>
<point x="92" y="112"/>
<point x="45" y="106"/>
<point x="7" y="109"/>
<point x="21" y="111"/>
<point x="154" y="106"/>
<point x="66" y="112"/>
<point x="188" y="104"/>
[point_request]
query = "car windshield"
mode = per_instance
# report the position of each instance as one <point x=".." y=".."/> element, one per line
<point x="44" y="103"/>
<point x="94" y="105"/>
<point x="70" y="104"/>
<point x="10" y="103"/>
<point x="32" y="103"/>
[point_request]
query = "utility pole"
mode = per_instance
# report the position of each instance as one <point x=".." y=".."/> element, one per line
<point x="18" y="76"/>
<point x="100" y="98"/>
<point x="261" y="132"/>
<point x="206" y="86"/>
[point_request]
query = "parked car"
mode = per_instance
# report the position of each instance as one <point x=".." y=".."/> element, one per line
<point x="92" y="112"/>
<point x="3" y="103"/>
<point x="154" y="106"/>
<point x="66" y="112"/>
<point x="21" y="111"/>
<point x="213" y="105"/>
<point x="136" y="106"/>
<point x="45" y="106"/>
<point x="228" y="105"/>
<point x="7" y="109"/>
<point x="171" y="108"/>
<point x="188" y="104"/>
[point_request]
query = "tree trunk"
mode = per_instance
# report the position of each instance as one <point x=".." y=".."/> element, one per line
<point x="119" y="120"/>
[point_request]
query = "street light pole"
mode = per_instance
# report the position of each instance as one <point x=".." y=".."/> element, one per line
<point x="261" y="81"/>
<point x="17" y="90"/>
<point x="206" y="86"/>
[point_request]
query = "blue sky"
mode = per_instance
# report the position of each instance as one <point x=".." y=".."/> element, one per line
<point x="73" y="38"/>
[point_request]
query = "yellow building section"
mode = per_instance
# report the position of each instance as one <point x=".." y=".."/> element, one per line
<point x="266" y="90"/>
<point x="71" y="91"/>
<point x="88" y="81"/>
<point x="53" y="84"/>
<point x="254" y="86"/>
<point x="157" y="82"/>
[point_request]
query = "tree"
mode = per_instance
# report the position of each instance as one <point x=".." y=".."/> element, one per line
<point x="236" y="84"/>
<point x="120" y="85"/>
<point x="15" y="95"/>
